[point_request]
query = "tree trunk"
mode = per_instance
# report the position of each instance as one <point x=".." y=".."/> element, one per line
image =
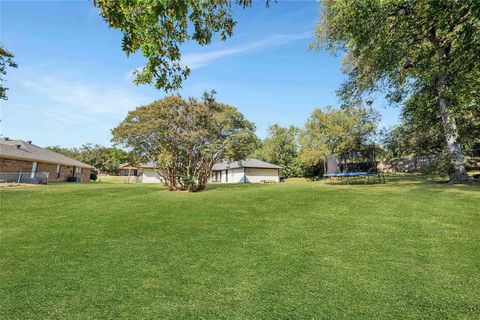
<point x="454" y="149"/>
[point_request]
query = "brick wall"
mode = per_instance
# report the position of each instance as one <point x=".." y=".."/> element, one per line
<point x="10" y="165"/>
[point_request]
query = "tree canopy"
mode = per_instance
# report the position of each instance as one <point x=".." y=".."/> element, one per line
<point x="105" y="159"/>
<point x="158" y="28"/>
<point x="332" y="131"/>
<point x="185" y="138"/>
<point x="427" y="51"/>
<point x="6" y="60"/>
<point x="280" y="147"/>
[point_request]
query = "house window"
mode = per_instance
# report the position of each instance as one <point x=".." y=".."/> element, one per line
<point x="217" y="176"/>
<point x="58" y="171"/>
<point x="34" y="169"/>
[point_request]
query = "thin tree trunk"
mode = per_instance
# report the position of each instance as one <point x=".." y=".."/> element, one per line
<point x="454" y="149"/>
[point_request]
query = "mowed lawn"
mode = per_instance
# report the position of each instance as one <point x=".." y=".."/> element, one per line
<point x="404" y="250"/>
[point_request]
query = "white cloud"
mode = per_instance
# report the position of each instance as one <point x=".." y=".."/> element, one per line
<point x="198" y="60"/>
<point x="202" y="59"/>
<point x="81" y="100"/>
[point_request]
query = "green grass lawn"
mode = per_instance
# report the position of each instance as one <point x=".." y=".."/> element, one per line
<point x="408" y="249"/>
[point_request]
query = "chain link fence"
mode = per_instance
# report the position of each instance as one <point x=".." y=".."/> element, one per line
<point x="24" y="177"/>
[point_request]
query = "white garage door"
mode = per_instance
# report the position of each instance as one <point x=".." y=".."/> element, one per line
<point x="150" y="176"/>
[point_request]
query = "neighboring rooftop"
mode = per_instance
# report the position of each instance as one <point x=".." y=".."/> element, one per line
<point x="148" y="165"/>
<point x="248" y="163"/>
<point x="26" y="150"/>
<point x="126" y="166"/>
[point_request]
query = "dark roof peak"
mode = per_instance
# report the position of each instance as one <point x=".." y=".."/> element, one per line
<point x="22" y="150"/>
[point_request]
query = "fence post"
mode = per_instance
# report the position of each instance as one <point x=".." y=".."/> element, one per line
<point x="19" y="177"/>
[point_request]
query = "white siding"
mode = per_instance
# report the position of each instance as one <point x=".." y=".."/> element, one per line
<point x="261" y="175"/>
<point x="236" y="175"/>
<point x="150" y="176"/>
<point x="255" y="175"/>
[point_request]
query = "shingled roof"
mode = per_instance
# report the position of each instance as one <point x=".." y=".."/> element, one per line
<point x="25" y="150"/>
<point x="248" y="163"/>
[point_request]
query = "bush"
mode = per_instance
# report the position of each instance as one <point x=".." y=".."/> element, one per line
<point x="440" y="168"/>
<point x="93" y="175"/>
<point x="472" y="163"/>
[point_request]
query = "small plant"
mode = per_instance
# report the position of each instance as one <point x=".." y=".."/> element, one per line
<point x="93" y="175"/>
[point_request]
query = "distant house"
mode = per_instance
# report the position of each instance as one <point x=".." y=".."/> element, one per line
<point x="126" y="169"/>
<point x="149" y="173"/>
<point x="18" y="156"/>
<point x="249" y="170"/>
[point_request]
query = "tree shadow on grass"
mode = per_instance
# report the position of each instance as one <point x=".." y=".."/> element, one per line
<point x="232" y="186"/>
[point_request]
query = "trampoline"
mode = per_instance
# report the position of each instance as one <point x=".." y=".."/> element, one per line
<point x="347" y="175"/>
<point x="353" y="165"/>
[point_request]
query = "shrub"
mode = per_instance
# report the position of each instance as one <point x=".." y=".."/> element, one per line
<point x="440" y="168"/>
<point x="472" y="163"/>
<point x="93" y="175"/>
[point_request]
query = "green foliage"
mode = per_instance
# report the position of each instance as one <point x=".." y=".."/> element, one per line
<point x="424" y="54"/>
<point x="440" y="168"/>
<point x="102" y="158"/>
<point x="409" y="140"/>
<point x="73" y="153"/>
<point x="472" y="163"/>
<point x="186" y="138"/>
<point x="158" y="28"/>
<point x="333" y="131"/>
<point x="6" y="60"/>
<point x="280" y="147"/>
<point x="93" y="175"/>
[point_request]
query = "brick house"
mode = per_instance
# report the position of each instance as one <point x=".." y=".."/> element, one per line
<point x="23" y="156"/>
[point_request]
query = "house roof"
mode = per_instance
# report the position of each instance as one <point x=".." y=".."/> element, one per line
<point x="126" y="166"/>
<point x="248" y="163"/>
<point x="148" y="165"/>
<point x="25" y="150"/>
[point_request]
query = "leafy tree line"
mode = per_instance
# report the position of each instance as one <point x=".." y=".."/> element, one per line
<point x="186" y="137"/>
<point x="105" y="159"/>
<point x="423" y="54"/>
<point x="302" y="151"/>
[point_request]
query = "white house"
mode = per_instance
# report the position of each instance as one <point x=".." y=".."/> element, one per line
<point x="249" y="170"/>
<point x="149" y="173"/>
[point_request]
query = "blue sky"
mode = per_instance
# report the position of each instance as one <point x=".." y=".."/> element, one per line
<point x="73" y="83"/>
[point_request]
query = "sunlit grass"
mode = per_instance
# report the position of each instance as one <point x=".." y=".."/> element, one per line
<point x="407" y="249"/>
